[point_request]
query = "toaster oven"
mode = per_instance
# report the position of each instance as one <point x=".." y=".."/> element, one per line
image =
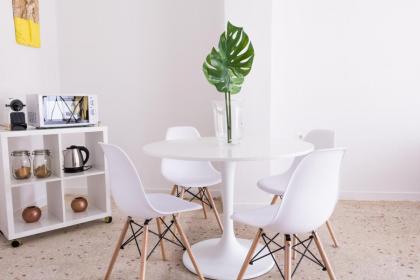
<point x="48" y="111"/>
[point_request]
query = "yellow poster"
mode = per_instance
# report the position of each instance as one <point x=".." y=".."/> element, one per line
<point x="26" y="17"/>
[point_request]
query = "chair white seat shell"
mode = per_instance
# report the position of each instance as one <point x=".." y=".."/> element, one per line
<point x="260" y="217"/>
<point x="192" y="177"/>
<point x="130" y="197"/>
<point x="274" y="184"/>
<point x="308" y="202"/>
<point x="166" y="204"/>
<point x="277" y="184"/>
<point x="190" y="174"/>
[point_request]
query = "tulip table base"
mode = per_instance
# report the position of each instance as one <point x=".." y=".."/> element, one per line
<point x="217" y="261"/>
<point x="222" y="258"/>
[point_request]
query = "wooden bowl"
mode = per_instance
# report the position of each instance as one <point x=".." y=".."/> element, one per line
<point x="79" y="204"/>
<point x="31" y="214"/>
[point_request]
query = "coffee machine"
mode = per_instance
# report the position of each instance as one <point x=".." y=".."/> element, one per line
<point x="16" y="117"/>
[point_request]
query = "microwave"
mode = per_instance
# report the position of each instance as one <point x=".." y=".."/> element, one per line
<point x="49" y="111"/>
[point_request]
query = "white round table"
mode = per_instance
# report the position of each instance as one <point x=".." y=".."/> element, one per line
<point x="222" y="258"/>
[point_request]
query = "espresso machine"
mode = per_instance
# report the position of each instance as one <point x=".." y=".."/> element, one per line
<point x="17" y="117"/>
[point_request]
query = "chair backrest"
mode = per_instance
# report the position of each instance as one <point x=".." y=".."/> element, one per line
<point x="126" y="186"/>
<point x="174" y="169"/>
<point x="312" y="193"/>
<point x="321" y="138"/>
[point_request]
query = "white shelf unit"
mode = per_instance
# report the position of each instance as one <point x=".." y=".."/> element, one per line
<point x="57" y="212"/>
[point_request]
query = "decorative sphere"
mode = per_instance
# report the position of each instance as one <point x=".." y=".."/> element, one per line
<point x="79" y="204"/>
<point x="31" y="214"/>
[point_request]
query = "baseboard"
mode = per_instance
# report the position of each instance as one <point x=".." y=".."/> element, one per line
<point x="375" y="196"/>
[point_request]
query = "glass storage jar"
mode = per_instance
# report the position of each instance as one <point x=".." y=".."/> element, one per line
<point x="21" y="164"/>
<point x="42" y="163"/>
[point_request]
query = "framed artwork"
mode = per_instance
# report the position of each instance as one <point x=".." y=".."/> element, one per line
<point x="26" y="18"/>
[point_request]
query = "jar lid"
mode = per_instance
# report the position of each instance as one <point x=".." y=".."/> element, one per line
<point x="41" y="152"/>
<point x="21" y="153"/>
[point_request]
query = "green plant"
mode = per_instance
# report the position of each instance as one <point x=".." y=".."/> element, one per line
<point x="227" y="66"/>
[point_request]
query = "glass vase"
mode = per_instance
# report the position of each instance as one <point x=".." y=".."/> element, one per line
<point x="220" y="121"/>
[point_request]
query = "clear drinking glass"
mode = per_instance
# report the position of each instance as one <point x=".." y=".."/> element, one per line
<point x="220" y="122"/>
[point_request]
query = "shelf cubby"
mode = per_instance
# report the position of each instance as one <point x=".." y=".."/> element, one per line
<point x="90" y="140"/>
<point x="52" y="213"/>
<point x="93" y="188"/>
<point x="37" y="142"/>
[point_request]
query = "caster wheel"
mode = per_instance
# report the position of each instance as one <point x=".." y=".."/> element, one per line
<point x="108" y="220"/>
<point x="15" y="243"/>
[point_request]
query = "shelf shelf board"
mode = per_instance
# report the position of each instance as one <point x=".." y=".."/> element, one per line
<point x="33" y="180"/>
<point x="47" y="222"/>
<point x="91" y="213"/>
<point x="49" y="131"/>
<point x="90" y="172"/>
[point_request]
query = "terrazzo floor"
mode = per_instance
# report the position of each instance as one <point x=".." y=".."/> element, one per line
<point x="379" y="240"/>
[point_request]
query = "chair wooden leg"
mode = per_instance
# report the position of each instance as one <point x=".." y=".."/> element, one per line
<point x="181" y="196"/>
<point x="287" y="258"/>
<point x="202" y="191"/>
<point x="213" y="205"/>
<point x="324" y="256"/>
<point x="274" y="200"/>
<point x="162" y="245"/>
<point x="143" y="257"/>
<point x="117" y="248"/>
<point x="188" y="247"/>
<point x="174" y="188"/>
<point x="249" y="255"/>
<point x="293" y="251"/>
<point x="332" y="234"/>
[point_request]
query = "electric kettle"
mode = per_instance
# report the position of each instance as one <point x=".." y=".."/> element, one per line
<point x="74" y="160"/>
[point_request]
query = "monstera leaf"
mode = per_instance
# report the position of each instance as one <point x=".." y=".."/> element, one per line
<point x="226" y="67"/>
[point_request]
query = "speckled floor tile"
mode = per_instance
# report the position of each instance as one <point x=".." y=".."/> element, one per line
<point x="379" y="240"/>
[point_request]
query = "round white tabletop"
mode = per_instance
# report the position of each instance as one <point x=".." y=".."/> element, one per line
<point x="222" y="258"/>
<point x="211" y="149"/>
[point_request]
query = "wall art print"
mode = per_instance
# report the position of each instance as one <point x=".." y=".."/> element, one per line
<point x="26" y="18"/>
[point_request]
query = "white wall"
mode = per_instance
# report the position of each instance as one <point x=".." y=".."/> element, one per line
<point x="144" y="60"/>
<point x="353" y="66"/>
<point x="26" y="70"/>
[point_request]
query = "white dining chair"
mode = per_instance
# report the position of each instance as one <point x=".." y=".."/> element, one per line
<point x="192" y="177"/>
<point x="276" y="185"/>
<point x="308" y="202"/>
<point x="130" y="197"/>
